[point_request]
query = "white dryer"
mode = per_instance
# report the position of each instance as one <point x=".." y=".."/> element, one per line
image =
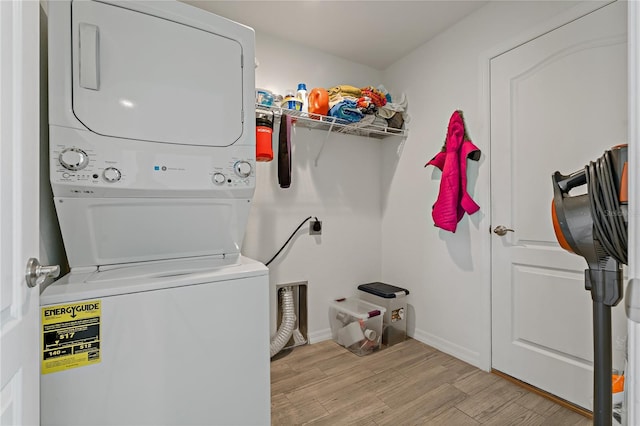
<point x="152" y="166"/>
<point x="152" y="130"/>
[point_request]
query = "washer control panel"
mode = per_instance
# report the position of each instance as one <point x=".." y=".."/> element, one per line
<point x="218" y="178"/>
<point x="84" y="169"/>
<point x="73" y="159"/>
<point x="240" y="174"/>
<point x="243" y="168"/>
<point x="111" y="174"/>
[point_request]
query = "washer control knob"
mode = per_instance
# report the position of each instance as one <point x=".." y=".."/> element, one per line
<point x="73" y="159"/>
<point x="111" y="174"/>
<point x="218" y="178"/>
<point x="243" y="169"/>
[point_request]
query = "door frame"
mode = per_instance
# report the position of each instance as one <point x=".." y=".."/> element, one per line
<point x="633" y="329"/>
<point x="485" y="58"/>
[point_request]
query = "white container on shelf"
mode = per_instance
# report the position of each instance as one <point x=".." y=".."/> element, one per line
<point x="302" y="95"/>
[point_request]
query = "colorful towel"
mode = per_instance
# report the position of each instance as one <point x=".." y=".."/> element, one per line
<point x="346" y="110"/>
<point x="345" y="90"/>
<point x="377" y="97"/>
<point x="336" y="99"/>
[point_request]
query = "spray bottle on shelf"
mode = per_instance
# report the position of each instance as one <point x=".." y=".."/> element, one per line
<point x="301" y="94"/>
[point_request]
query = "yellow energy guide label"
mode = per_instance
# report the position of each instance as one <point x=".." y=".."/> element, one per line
<point x="70" y="336"/>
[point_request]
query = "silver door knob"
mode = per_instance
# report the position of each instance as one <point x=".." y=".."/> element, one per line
<point x="502" y="230"/>
<point x="37" y="273"/>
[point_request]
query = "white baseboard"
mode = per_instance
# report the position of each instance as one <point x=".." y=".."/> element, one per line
<point x="319" y="336"/>
<point x="448" y="347"/>
<point x="439" y="343"/>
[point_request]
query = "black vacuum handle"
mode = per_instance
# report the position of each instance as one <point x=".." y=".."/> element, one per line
<point x="567" y="182"/>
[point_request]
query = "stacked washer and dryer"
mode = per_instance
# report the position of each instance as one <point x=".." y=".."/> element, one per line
<point x="152" y="164"/>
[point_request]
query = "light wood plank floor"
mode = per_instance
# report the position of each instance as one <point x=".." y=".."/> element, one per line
<point x="407" y="384"/>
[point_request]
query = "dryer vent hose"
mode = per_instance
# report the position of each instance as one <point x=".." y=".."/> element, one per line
<point x="288" y="323"/>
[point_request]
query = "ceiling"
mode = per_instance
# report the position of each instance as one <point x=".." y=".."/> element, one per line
<point x="373" y="33"/>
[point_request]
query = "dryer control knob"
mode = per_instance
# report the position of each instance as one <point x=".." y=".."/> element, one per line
<point x="243" y="169"/>
<point x="111" y="174"/>
<point x="73" y="159"/>
<point x="218" y="178"/>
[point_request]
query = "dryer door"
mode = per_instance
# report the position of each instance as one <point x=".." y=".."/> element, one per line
<point x="138" y="76"/>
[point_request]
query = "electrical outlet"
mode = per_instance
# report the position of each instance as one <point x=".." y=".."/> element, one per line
<point x="315" y="227"/>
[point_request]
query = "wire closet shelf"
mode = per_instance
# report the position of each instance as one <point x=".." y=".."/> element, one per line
<point x="334" y="124"/>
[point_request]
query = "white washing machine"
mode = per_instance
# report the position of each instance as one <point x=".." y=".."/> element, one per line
<point x="161" y="320"/>
<point x="148" y="346"/>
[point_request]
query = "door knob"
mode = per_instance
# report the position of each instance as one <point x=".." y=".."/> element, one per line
<point x="502" y="230"/>
<point x="37" y="273"/>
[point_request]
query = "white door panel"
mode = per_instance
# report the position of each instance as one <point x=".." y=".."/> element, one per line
<point x="546" y="324"/>
<point x="119" y="91"/>
<point x="19" y="132"/>
<point x="557" y="102"/>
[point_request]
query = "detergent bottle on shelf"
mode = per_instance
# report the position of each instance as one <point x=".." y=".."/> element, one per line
<point x="318" y="102"/>
<point x="301" y="94"/>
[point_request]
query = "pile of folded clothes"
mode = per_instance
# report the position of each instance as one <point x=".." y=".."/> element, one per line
<point x="366" y="106"/>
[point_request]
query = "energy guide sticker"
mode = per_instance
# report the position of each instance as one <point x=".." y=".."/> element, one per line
<point x="70" y="336"/>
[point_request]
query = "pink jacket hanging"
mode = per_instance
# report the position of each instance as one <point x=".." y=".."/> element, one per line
<point x="454" y="200"/>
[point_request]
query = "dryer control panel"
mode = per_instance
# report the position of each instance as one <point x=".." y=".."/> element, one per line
<point x="80" y="168"/>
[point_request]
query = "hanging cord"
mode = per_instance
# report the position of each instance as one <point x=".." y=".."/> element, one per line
<point x="290" y="237"/>
<point x="610" y="227"/>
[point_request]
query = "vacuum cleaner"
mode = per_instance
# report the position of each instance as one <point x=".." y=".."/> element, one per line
<point x="594" y="226"/>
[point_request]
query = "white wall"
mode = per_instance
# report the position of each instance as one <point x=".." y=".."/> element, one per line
<point x="447" y="274"/>
<point x="343" y="190"/>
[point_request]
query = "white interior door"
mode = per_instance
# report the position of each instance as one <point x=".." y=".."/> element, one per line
<point x="19" y="133"/>
<point x="557" y="102"/>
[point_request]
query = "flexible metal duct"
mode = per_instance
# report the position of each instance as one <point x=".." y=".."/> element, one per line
<point x="288" y="322"/>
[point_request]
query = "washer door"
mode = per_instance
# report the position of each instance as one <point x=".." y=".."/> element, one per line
<point x="110" y="231"/>
<point x="138" y="76"/>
